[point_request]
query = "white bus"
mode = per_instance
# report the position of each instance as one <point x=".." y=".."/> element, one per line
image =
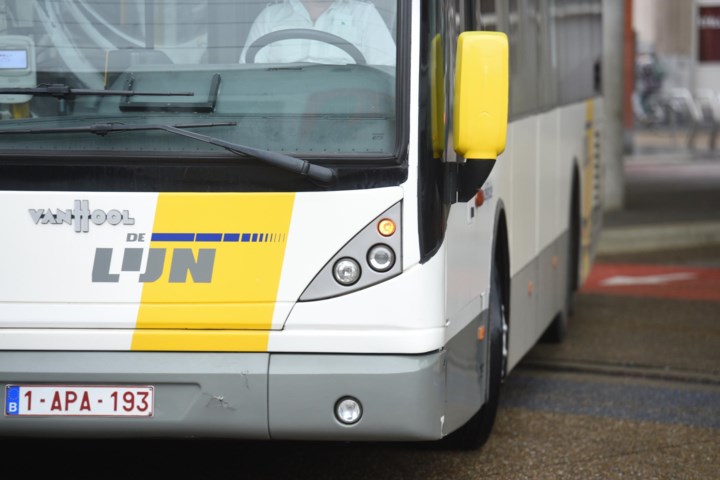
<point x="288" y="220"/>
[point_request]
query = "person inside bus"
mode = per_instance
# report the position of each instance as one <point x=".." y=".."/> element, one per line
<point x="356" y="21"/>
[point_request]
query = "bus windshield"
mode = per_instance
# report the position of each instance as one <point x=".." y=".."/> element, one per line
<point x="305" y="78"/>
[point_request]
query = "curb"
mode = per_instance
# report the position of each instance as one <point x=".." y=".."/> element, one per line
<point x="647" y="238"/>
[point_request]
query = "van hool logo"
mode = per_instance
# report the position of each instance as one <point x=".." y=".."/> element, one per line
<point x="81" y="216"/>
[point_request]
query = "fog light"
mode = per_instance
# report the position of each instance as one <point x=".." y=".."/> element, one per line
<point x="381" y="258"/>
<point x="348" y="410"/>
<point x="346" y="271"/>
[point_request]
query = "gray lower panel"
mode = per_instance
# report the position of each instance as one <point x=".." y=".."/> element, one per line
<point x="467" y="359"/>
<point x="402" y="396"/>
<point x="537" y="294"/>
<point x="552" y="281"/>
<point x="240" y="395"/>
<point x="196" y="394"/>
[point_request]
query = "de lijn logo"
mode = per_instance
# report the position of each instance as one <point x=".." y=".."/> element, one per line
<point x="182" y="263"/>
<point x="81" y="216"/>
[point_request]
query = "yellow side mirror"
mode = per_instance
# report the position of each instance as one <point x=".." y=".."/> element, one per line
<point x="481" y="95"/>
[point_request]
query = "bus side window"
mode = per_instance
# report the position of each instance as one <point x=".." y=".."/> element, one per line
<point x="484" y="17"/>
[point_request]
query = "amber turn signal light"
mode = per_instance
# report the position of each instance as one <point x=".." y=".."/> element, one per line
<point x="386" y="227"/>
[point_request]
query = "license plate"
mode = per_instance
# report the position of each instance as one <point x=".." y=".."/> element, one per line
<point x="79" y="400"/>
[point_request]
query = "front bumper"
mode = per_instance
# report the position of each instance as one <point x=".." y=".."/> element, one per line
<point x="242" y="395"/>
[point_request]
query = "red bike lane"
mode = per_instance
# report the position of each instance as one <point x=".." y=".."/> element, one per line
<point x="656" y="281"/>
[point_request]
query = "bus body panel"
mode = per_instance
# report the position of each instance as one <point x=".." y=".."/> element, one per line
<point x="533" y="178"/>
<point x="61" y="278"/>
<point x="469" y="246"/>
<point x="370" y="321"/>
<point x="253" y="361"/>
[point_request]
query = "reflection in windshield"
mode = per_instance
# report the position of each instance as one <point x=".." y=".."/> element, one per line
<point x="322" y="84"/>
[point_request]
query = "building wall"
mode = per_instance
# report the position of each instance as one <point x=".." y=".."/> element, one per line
<point x="707" y="73"/>
<point x="670" y="29"/>
<point x="644" y="22"/>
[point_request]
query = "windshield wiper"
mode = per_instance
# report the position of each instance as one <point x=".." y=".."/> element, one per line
<point x="59" y="90"/>
<point x="302" y="167"/>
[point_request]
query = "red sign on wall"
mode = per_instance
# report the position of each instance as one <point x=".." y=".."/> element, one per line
<point x="709" y="30"/>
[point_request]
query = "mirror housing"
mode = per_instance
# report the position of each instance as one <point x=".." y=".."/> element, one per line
<point x="481" y="95"/>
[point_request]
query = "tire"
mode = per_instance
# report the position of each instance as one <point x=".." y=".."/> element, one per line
<point x="573" y="262"/>
<point x="475" y="433"/>
<point x="557" y="330"/>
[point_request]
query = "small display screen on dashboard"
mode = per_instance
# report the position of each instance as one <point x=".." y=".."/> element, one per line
<point x="13" y="59"/>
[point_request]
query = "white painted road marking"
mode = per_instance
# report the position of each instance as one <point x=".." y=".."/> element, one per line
<point x="628" y="280"/>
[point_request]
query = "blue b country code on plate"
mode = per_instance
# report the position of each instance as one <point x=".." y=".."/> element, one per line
<point x="12" y="400"/>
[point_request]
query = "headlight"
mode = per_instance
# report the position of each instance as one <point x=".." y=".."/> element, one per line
<point x="371" y="256"/>
<point x="381" y="258"/>
<point x="346" y="271"/>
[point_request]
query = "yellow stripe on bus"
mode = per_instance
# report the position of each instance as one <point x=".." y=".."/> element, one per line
<point x="223" y="257"/>
<point x="200" y="340"/>
<point x="250" y="316"/>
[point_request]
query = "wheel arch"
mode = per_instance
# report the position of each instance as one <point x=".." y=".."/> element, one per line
<point x="501" y="254"/>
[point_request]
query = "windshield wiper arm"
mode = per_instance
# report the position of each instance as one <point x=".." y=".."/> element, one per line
<point x="302" y="167"/>
<point x="59" y="90"/>
<point x="103" y="129"/>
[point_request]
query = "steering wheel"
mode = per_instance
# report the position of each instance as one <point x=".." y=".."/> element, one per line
<point x="304" y="34"/>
